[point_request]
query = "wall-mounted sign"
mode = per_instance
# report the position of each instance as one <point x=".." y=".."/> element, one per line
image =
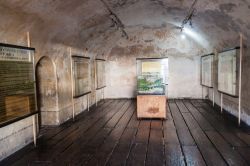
<point x="100" y="73"/>
<point x="151" y="67"/>
<point x="227" y="72"/>
<point x="17" y="85"/>
<point x="207" y="70"/>
<point x="14" y="54"/>
<point x="81" y="75"/>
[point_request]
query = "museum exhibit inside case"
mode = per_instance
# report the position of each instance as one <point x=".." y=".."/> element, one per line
<point x="150" y="84"/>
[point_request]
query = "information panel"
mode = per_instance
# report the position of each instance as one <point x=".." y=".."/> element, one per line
<point x="100" y="73"/>
<point x="81" y="72"/>
<point x="227" y="72"/>
<point x="207" y="70"/>
<point x="17" y="85"/>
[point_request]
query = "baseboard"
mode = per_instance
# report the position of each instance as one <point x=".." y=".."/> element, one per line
<point x="228" y="115"/>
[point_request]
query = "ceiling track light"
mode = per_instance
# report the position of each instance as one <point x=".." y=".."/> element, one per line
<point x="188" y="19"/>
<point x="116" y="22"/>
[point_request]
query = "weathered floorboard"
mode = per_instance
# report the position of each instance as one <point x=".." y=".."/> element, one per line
<point x="110" y="134"/>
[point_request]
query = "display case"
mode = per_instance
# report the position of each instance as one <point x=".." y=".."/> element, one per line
<point x="152" y="76"/>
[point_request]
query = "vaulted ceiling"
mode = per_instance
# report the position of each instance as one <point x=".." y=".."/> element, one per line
<point x="151" y="25"/>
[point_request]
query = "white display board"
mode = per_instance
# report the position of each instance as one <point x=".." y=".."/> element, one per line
<point x="100" y="73"/>
<point x="207" y="70"/>
<point x="227" y="72"/>
<point x="15" y="54"/>
<point x="81" y="73"/>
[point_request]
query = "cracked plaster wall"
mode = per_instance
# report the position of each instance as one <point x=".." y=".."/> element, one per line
<point x="48" y="42"/>
<point x="184" y="68"/>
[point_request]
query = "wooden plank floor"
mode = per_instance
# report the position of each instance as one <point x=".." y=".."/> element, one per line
<point x="110" y="134"/>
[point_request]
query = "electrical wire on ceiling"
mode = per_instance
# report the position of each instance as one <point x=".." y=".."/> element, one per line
<point x="189" y="17"/>
<point x="116" y="22"/>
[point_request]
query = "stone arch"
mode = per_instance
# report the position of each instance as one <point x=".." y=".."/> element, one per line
<point x="47" y="94"/>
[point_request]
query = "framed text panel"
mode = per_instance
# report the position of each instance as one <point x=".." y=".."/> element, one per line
<point x="81" y="75"/>
<point x="17" y="85"/>
<point x="100" y="73"/>
<point x="227" y="72"/>
<point x="207" y="70"/>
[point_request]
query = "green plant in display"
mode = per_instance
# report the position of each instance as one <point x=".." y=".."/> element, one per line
<point x="150" y="84"/>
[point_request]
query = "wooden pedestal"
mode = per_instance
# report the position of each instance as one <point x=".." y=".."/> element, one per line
<point x="151" y="106"/>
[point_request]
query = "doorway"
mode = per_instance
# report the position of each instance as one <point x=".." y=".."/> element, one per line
<point x="47" y="96"/>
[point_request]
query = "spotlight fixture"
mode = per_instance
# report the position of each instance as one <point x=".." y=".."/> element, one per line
<point x="189" y="16"/>
<point x="183" y="36"/>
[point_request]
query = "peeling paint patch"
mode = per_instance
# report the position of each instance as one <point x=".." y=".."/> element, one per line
<point x="160" y="34"/>
<point x="220" y="19"/>
<point x="228" y="7"/>
<point x="148" y="50"/>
